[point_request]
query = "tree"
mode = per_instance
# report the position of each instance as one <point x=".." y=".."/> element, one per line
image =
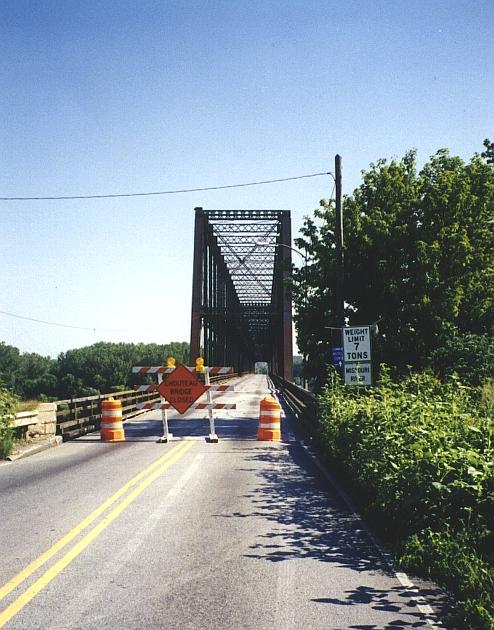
<point x="488" y="154"/>
<point x="100" y="368"/>
<point x="36" y="376"/>
<point x="10" y="365"/>
<point x="105" y="367"/>
<point x="28" y="374"/>
<point x="7" y="414"/>
<point x="419" y="258"/>
<point x="470" y="356"/>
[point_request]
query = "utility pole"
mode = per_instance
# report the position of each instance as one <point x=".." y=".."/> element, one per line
<point x="339" y="307"/>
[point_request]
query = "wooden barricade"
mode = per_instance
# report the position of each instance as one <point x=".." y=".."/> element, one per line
<point x="181" y="386"/>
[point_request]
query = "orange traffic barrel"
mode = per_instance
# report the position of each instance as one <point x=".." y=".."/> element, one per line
<point x="111" y="421"/>
<point x="269" y="420"/>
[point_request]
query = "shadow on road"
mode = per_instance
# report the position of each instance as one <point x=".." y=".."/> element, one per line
<point x="226" y="428"/>
<point x="388" y="601"/>
<point x="310" y="521"/>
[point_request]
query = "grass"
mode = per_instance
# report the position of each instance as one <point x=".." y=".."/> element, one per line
<point x="26" y="405"/>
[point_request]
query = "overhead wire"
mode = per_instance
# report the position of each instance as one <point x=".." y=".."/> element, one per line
<point x="42" y="321"/>
<point x="166" y="192"/>
<point x="144" y="194"/>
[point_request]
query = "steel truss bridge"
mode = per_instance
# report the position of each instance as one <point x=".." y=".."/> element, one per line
<point x="241" y="298"/>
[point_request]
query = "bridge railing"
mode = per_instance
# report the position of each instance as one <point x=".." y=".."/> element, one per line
<point x="223" y="377"/>
<point x="302" y="402"/>
<point x="78" y="416"/>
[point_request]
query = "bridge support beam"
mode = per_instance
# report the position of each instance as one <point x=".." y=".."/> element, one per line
<point x="197" y="283"/>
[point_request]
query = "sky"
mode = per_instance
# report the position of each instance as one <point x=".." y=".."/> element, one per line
<point x="109" y="97"/>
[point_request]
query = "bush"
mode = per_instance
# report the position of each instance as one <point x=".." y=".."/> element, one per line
<point x="451" y="559"/>
<point x="419" y="454"/>
<point x="8" y="404"/>
<point x="470" y="356"/>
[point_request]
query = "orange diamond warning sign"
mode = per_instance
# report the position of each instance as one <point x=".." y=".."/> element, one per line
<point x="181" y="388"/>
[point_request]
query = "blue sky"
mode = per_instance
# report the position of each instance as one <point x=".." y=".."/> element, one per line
<point x="110" y="97"/>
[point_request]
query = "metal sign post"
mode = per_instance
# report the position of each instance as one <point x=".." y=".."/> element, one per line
<point x="164" y="416"/>
<point x="212" y="431"/>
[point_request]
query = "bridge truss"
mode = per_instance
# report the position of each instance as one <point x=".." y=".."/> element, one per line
<point x="241" y="302"/>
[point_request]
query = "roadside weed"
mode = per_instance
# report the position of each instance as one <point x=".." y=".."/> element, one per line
<point x="420" y="457"/>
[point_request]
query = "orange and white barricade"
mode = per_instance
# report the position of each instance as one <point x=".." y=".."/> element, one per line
<point x="269" y="420"/>
<point x="180" y="395"/>
<point x="111" y="426"/>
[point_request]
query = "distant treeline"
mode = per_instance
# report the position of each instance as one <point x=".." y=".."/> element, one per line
<point x="97" y="369"/>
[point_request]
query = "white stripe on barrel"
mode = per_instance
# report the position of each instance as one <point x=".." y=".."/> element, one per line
<point x="111" y="425"/>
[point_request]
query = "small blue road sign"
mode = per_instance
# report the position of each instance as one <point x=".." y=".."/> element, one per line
<point x="337" y="357"/>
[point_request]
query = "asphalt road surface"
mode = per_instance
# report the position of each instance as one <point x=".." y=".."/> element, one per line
<point x="190" y="535"/>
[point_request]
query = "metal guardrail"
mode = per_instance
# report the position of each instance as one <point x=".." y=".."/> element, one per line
<point x="302" y="402"/>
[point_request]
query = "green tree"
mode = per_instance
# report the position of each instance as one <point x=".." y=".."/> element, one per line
<point x="36" y="376"/>
<point x="488" y="154"/>
<point x="28" y="375"/>
<point x="7" y="413"/>
<point x="100" y="368"/>
<point x="470" y="356"/>
<point x="10" y="365"/>
<point x="419" y="257"/>
<point x="105" y="367"/>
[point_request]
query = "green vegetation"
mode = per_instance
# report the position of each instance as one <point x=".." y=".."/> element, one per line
<point x="100" y="368"/>
<point x="470" y="356"/>
<point x="420" y="457"/>
<point x="26" y="405"/>
<point x="7" y="413"/>
<point x="419" y="258"/>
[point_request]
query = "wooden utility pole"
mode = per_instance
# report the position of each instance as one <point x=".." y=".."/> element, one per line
<point x="339" y="307"/>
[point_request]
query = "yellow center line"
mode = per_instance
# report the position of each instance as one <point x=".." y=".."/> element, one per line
<point x="14" y="582"/>
<point x="17" y="605"/>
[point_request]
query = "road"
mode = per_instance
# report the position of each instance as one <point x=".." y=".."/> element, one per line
<point x="190" y="535"/>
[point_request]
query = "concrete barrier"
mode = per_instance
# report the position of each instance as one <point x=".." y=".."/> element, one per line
<point x="40" y="422"/>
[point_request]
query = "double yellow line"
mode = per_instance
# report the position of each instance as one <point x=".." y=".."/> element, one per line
<point x="141" y="481"/>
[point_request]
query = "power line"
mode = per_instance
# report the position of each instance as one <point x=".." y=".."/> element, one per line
<point x="42" y="321"/>
<point x="165" y="192"/>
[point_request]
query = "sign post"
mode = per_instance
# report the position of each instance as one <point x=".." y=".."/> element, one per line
<point x="357" y="355"/>
<point x="170" y="364"/>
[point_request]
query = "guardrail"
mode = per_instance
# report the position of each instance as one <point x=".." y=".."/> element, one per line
<point x="78" y="416"/>
<point x="302" y="402"/>
<point x="223" y="377"/>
